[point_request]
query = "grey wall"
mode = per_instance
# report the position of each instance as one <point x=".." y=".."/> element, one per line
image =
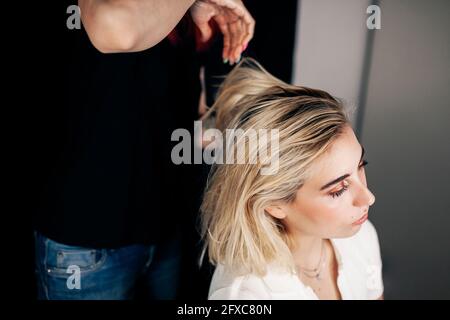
<point x="406" y="131"/>
<point x="330" y="45"/>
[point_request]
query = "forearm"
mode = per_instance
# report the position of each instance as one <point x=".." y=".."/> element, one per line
<point x="130" y="25"/>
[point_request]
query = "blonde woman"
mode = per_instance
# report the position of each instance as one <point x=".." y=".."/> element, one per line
<point x="301" y="232"/>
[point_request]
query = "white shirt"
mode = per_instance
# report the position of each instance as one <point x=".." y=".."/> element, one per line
<point x="359" y="275"/>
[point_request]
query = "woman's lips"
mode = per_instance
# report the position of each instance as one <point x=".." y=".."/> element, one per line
<point x="361" y="220"/>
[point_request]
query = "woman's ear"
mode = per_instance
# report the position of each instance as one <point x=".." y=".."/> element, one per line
<point x="276" y="211"/>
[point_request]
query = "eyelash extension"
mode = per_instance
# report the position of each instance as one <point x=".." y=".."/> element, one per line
<point x="364" y="163"/>
<point x="344" y="188"/>
<point x="339" y="193"/>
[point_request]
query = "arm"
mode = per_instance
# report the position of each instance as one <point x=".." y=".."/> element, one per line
<point x="130" y="25"/>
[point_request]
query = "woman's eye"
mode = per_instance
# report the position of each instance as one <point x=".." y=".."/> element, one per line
<point x="339" y="192"/>
<point x="345" y="186"/>
<point x="363" y="164"/>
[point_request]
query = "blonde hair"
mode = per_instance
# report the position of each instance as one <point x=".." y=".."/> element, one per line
<point x="237" y="230"/>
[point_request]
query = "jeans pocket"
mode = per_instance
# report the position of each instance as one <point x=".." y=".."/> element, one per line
<point x="60" y="259"/>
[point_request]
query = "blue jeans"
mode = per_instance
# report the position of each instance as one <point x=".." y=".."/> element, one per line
<point x="68" y="272"/>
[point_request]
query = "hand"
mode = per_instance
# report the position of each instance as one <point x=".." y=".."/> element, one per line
<point x="233" y="20"/>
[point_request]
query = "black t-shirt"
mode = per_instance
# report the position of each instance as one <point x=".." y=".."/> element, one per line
<point x="102" y="137"/>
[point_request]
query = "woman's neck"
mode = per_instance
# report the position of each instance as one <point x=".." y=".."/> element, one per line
<point x="306" y="249"/>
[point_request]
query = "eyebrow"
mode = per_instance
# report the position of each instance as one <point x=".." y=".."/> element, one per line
<point x="343" y="176"/>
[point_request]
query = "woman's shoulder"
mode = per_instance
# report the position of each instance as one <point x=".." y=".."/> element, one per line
<point x="229" y="285"/>
<point x="277" y="283"/>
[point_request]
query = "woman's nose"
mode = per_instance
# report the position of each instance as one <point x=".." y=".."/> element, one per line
<point x="365" y="197"/>
<point x="371" y="197"/>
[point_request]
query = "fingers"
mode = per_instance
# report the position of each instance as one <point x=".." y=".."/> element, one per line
<point x="243" y="44"/>
<point x="237" y="35"/>
<point x="237" y="27"/>
<point x="223" y="26"/>
<point x="234" y="5"/>
<point x="201" y="13"/>
<point x="250" y="29"/>
<point x="205" y="31"/>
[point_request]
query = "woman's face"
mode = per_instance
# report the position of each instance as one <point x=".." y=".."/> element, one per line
<point x="333" y="200"/>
